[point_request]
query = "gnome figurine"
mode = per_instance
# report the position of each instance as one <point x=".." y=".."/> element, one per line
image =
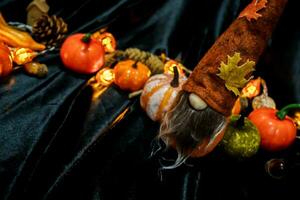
<point x="197" y="121"/>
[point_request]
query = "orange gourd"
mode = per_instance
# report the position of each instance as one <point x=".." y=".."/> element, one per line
<point x="160" y="92"/>
<point x="16" y="38"/>
<point x="131" y="75"/>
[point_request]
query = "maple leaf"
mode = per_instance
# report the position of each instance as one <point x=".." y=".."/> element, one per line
<point x="250" y="12"/>
<point x="233" y="74"/>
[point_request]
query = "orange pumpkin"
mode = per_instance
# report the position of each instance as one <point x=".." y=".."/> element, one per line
<point x="131" y="75"/>
<point x="160" y="92"/>
<point x="6" y="64"/>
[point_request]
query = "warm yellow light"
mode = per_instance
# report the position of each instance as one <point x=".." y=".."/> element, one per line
<point x="107" y="40"/>
<point x="105" y="76"/>
<point x="107" y="43"/>
<point x="169" y="67"/>
<point x="22" y="56"/>
<point x="249" y="91"/>
<point x="252" y="89"/>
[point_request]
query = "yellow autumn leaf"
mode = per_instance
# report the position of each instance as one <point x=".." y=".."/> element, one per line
<point x="234" y="74"/>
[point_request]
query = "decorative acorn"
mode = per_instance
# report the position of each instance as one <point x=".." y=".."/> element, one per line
<point x="160" y="92"/>
<point x="50" y="30"/>
<point x="36" y="69"/>
<point x="218" y="78"/>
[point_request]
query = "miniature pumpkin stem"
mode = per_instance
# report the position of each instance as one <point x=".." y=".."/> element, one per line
<point x="284" y="111"/>
<point x="175" y="81"/>
<point x="241" y="121"/>
<point x="134" y="65"/>
<point x="86" y="38"/>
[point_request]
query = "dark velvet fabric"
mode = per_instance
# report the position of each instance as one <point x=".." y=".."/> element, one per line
<point x="55" y="143"/>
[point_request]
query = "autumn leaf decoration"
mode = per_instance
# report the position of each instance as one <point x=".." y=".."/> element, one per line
<point x="233" y="74"/>
<point x="250" y="12"/>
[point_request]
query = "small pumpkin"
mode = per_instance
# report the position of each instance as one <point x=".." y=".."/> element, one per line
<point x="241" y="139"/>
<point x="131" y="75"/>
<point x="6" y="64"/>
<point x="160" y="92"/>
<point x="277" y="130"/>
<point x="82" y="54"/>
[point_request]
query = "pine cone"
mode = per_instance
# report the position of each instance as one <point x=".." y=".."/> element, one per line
<point x="50" y="30"/>
<point x="137" y="55"/>
<point x="152" y="61"/>
<point x="155" y="64"/>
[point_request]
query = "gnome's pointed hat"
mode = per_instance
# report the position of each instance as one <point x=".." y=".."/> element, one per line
<point x="247" y="36"/>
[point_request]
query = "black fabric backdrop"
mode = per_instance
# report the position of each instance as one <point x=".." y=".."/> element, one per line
<point x="55" y="143"/>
